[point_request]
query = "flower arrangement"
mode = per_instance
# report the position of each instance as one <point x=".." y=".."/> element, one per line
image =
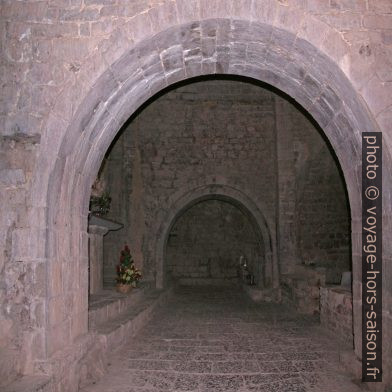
<point x="100" y="205"/>
<point x="127" y="273"/>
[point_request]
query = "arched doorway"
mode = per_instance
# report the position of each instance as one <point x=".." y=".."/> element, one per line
<point x="233" y="196"/>
<point x="70" y="161"/>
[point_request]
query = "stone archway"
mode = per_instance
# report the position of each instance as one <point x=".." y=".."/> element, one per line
<point x="71" y="152"/>
<point x="219" y="192"/>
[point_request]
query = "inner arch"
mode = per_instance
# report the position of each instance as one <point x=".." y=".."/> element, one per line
<point x="207" y="240"/>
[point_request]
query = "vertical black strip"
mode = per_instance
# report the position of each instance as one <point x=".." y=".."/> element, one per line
<point x="372" y="257"/>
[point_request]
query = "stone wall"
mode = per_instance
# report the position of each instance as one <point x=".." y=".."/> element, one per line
<point x="314" y="220"/>
<point x="336" y="312"/>
<point x="206" y="243"/>
<point x="322" y="218"/>
<point x="241" y="135"/>
<point x="122" y="186"/>
<point x="22" y="285"/>
<point x="199" y="134"/>
<point x="58" y="64"/>
<point x="301" y="288"/>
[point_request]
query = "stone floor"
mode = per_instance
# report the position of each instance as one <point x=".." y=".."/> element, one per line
<point x="215" y="339"/>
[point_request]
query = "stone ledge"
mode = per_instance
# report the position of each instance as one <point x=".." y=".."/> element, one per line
<point x="336" y="309"/>
<point x="257" y="294"/>
<point x="109" y="304"/>
<point x="200" y="281"/>
<point x="115" y="331"/>
<point x="85" y="361"/>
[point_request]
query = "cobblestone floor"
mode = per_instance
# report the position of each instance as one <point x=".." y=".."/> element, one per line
<point x="210" y="339"/>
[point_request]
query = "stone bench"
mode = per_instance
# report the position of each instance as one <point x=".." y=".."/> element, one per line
<point x="109" y="304"/>
<point x="120" y="319"/>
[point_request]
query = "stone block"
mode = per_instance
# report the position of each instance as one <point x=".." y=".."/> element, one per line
<point x="55" y="270"/>
<point x="58" y="30"/>
<point x="77" y="14"/>
<point x="193" y="66"/>
<point x="244" y="32"/>
<point x="349" y="5"/>
<point x="12" y="177"/>
<point x="209" y="28"/>
<point x="172" y="59"/>
<point x="208" y="67"/>
<point x="313" y="31"/>
<point x="256" y="53"/>
<point x="208" y="47"/>
<point x="264" y="11"/>
<point x="318" y="6"/>
<point x="295" y="71"/>
<point x="223" y="37"/>
<point x="242" y="9"/>
<point x="38" y="313"/>
<point x="312" y="86"/>
<point x="99" y="2"/>
<point x="28" y="244"/>
<point x="238" y="52"/>
<point x="34" y="12"/>
<point x="343" y="21"/>
<point x="104" y="27"/>
<point x="175" y="76"/>
<point x="188" y="10"/>
<point x="377" y="22"/>
<point x="116" y="46"/>
<point x="377" y="94"/>
<point x="56" y="311"/>
<point x="380" y="7"/>
<point x="9" y="366"/>
<point x="282" y="40"/>
<point x="58" y="337"/>
<point x="322" y="112"/>
<point x="139" y="27"/>
<point x="215" y="8"/>
<point x="163" y="16"/>
<point x="289" y="18"/>
<point x="79" y="325"/>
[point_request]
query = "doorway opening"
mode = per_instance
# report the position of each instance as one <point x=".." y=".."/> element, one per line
<point x="242" y="139"/>
<point x="207" y="243"/>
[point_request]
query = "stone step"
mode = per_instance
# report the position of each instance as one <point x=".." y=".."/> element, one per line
<point x="258" y="294"/>
<point x="30" y="384"/>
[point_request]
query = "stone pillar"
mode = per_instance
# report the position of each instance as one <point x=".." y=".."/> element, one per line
<point x="97" y="228"/>
<point x="95" y="247"/>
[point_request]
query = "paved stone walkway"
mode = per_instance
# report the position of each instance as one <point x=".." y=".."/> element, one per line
<point x="211" y="339"/>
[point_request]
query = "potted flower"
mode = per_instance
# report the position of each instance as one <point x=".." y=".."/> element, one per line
<point x="127" y="274"/>
<point x="100" y="205"/>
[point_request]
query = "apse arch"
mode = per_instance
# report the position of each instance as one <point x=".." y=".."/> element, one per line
<point x="225" y="193"/>
<point x="71" y="153"/>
